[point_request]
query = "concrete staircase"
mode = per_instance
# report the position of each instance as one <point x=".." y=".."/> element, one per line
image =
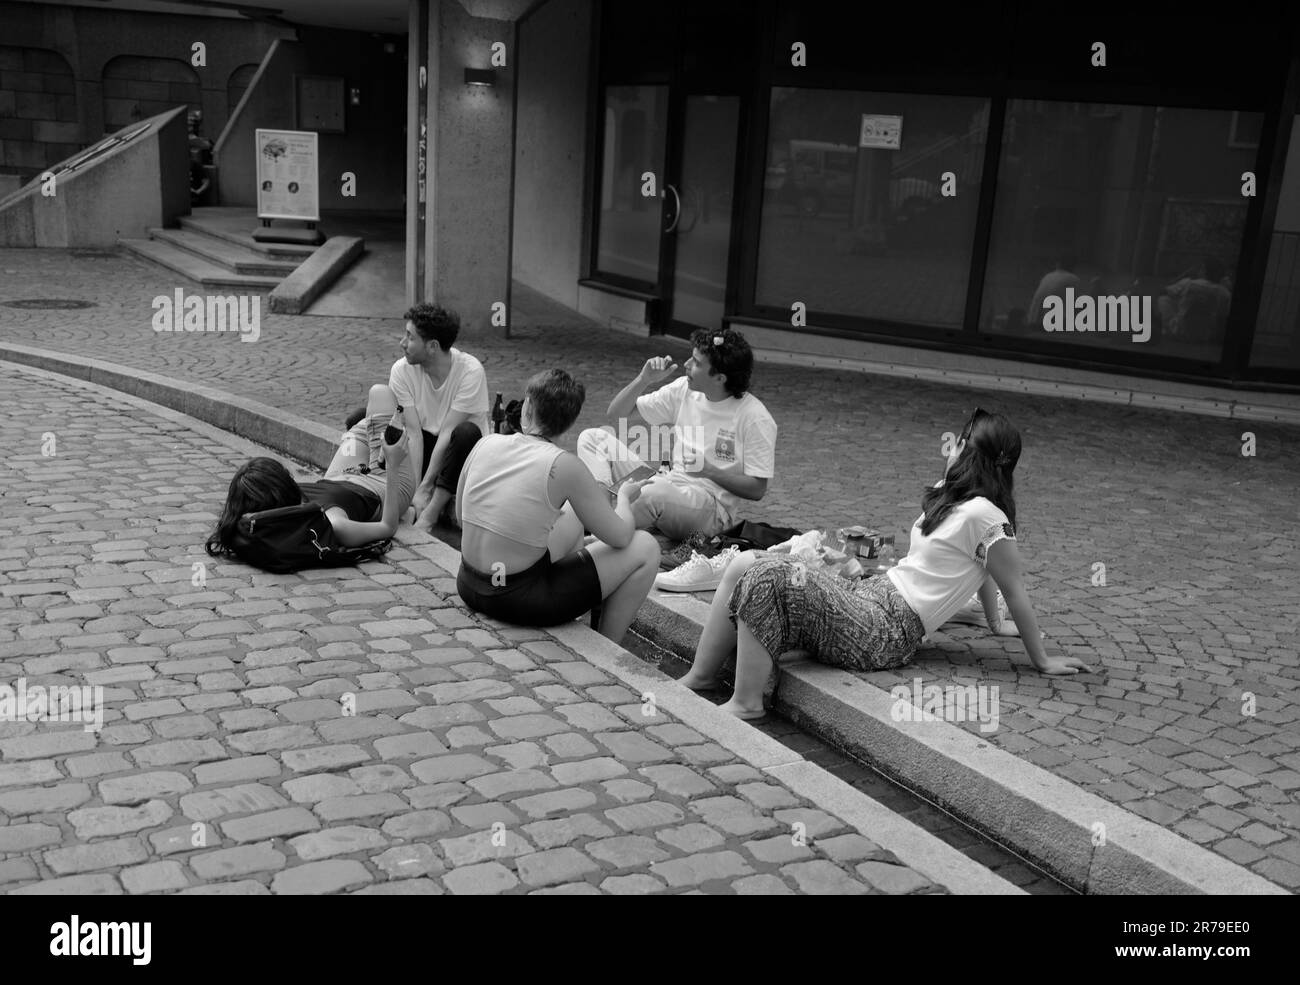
<point x="214" y="254"/>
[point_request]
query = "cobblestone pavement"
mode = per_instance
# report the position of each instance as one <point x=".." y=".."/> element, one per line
<point x="1193" y="624"/>
<point x="338" y="730"/>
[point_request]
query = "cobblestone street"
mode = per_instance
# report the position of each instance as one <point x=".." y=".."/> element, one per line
<point x="1197" y="617"/>
<point x="478" y="759"/>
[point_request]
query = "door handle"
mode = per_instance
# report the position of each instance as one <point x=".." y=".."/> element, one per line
<point x="677" y="211"/>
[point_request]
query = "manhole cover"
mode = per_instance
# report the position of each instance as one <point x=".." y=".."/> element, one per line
<point x="46" y="304"/>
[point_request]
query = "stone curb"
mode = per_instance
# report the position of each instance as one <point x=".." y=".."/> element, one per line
<point x="1043" y="817"/>
<point x="269" y="426"/>
<point x="1243" y="409"/>
<point x="1040" y="815"/>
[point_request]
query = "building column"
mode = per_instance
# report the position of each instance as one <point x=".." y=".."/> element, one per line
<point x="416" y="147"/>
<point x="459" y="255"/>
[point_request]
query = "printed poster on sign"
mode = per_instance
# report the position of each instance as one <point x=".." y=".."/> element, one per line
<point x="881" y="131"/>
<point x="287" y="167"/>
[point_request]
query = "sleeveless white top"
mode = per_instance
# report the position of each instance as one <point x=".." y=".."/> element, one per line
<point x="505" y="487"/>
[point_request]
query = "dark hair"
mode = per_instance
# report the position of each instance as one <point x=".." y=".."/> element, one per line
<point x="259" y="484"/>
<point x="984" y="468"/>
<point x="1214" y="269"/>
<point x="434" y="324"/>
<point x="556" y="399"/>
<point x="728" y="353"/>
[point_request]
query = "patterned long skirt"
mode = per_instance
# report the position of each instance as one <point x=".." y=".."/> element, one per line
<point x="864" y="625"/>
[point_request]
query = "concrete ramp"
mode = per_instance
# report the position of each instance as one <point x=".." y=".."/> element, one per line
<point x="117" y="188"/>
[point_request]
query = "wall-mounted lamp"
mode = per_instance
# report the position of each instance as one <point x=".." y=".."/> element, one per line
<point x="480" y="76"/>
<point x="355" y="96"/>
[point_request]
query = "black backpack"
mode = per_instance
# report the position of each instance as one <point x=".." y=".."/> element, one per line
<point x="291" y="538"/>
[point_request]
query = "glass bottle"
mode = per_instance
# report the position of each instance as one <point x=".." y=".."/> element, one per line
<point x="885" y="557"/>
<point x="498" y="415"/>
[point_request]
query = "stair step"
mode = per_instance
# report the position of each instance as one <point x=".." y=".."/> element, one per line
<point x="245" y="239"/>
<point x="225" y="253"/>
<point x="196" y="268"/>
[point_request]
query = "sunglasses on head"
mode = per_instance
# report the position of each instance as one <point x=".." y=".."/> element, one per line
<point x="975" y="417"/>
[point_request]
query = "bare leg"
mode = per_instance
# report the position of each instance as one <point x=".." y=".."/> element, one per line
<point x="441" y="497"/>
<point x="718" y="640"/>
<point x="354" y="449"/>
<point x="626" y="575"/>
<point x="753" y="668"/>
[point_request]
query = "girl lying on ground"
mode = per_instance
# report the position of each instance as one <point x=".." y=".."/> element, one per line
<point x="366" y="489"/>
<point x="523" y="504"/>
<point x="963" y="541"/>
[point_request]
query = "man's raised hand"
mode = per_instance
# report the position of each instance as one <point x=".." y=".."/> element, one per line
<point x="657" y="369"/>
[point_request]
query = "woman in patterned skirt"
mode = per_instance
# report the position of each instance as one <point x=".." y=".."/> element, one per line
<point x="964" y="541"/>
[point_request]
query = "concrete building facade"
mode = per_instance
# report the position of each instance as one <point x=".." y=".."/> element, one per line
<point x="1004" y="187"/>
<point x="69" y="74"/>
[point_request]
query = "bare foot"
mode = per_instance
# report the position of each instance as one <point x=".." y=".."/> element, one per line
<point x="742" y="712"/>
<point x="695" y="683"/>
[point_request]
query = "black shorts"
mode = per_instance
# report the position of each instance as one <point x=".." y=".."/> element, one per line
<point x="547" y="594"/>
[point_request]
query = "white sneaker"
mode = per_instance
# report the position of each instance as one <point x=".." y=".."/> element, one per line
<point x="699" y="574"/>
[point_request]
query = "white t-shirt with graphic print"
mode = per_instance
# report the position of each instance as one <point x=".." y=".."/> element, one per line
<point x="942" y="571"/>
<point x="736" y="435"/>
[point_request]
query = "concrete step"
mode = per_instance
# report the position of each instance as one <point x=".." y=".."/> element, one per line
<point x="297" y="291"/>
<point x="196" y="268"/>
<point x="237" y="258"/>
<point x="213" y="227"/>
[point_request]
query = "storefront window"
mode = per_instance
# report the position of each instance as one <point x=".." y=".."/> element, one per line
<point x="870" y="202"/>
<point x="628" y="236"/>
<point x="1114" y="223"/>
<point x="1277" y="331"/>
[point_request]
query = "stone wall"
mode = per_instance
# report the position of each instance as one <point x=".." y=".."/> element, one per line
<point x="38" y="109"/>
<point x="69" y="75"/>
<point x="128" y="189"/>
<point x="138" y="86"/>
<point x="237" y="85"/>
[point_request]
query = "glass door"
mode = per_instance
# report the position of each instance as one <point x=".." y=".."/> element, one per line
<point x="670" y="103"/>
<point x="699" y="212"/>
<point x="629" y="230"/>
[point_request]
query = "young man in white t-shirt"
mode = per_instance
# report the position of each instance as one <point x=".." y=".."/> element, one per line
<point x="718" y="436"/>
<point x="444" y="399"/>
